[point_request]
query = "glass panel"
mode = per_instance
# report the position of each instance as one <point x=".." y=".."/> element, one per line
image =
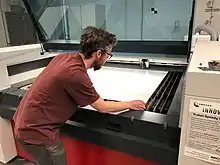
<point x="128" y="19"/>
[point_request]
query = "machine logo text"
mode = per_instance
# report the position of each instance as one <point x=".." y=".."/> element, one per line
<point x="197" y="104"/>
<point x="211" y="111"/>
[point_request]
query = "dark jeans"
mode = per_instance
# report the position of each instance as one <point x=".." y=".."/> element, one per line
<point x="45" y="155"/>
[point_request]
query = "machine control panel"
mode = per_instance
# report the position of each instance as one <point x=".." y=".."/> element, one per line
<point x="213" y="65"/>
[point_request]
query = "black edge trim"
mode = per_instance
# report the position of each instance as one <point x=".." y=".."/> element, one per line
<point x="144" y="116"/>
<point x="159" y="47"/>
<point x="27" y="66"/>
<point x="190" y="34"/>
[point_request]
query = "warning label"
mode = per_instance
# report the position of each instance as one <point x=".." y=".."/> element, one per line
<point x="203" y="135"/>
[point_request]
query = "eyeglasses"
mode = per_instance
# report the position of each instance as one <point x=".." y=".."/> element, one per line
<point x="109" y="55"/>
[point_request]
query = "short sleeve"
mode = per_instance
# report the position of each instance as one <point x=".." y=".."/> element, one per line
<point x="80" y="88"/>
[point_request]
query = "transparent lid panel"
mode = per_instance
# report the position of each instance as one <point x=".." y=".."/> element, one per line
<point x="128" y="19"/>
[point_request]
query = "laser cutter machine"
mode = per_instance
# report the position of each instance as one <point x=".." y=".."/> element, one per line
<point x="148" y="69"/>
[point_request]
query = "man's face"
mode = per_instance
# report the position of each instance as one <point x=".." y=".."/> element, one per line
<point x="101" y="58"/>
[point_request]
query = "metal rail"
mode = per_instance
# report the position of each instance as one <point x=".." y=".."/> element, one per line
<point x="161" y="99"/>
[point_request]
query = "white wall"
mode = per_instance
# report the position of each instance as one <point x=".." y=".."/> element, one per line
<point x="202" y="16"/>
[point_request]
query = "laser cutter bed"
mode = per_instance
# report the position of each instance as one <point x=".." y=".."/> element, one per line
<point x="127" y="84"/>
<point x="149" y="69"/>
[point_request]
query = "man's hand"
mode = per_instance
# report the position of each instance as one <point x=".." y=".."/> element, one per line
<point x="137" y="105"/>
<point x="112" y="106"/>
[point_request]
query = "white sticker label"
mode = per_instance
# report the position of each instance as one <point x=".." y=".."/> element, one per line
<point x="203" y="131"/>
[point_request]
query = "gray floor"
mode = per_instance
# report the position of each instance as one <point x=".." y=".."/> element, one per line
<point x="17" y="161"/>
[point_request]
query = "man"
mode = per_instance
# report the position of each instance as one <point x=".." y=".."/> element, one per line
<point x="55" y="95"/>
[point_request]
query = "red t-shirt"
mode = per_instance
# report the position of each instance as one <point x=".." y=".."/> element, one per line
<point x="53" y="98"/>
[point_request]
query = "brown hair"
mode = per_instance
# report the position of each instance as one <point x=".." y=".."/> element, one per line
<point x="93" y="39"/>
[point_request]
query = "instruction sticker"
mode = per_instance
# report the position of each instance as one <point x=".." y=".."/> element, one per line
<point x="203" y="131"/>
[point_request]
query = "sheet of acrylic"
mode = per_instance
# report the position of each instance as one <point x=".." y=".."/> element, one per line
<point x="125" y="84"/>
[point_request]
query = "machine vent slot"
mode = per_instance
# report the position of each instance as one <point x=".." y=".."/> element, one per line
<point x="161" y="99"/>
<point x="114" y="127"/>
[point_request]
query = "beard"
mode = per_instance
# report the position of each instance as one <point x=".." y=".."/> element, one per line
<point x="97" y="65"/>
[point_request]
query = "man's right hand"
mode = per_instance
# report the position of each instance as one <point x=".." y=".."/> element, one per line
<point x="137" y="105"/>
<point x="112" y="106"/>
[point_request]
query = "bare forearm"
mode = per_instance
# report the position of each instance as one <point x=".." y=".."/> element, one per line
<point x="112" y="106"/>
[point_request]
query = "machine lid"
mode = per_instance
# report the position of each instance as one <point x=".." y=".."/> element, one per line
<point x="142" y="26"/>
